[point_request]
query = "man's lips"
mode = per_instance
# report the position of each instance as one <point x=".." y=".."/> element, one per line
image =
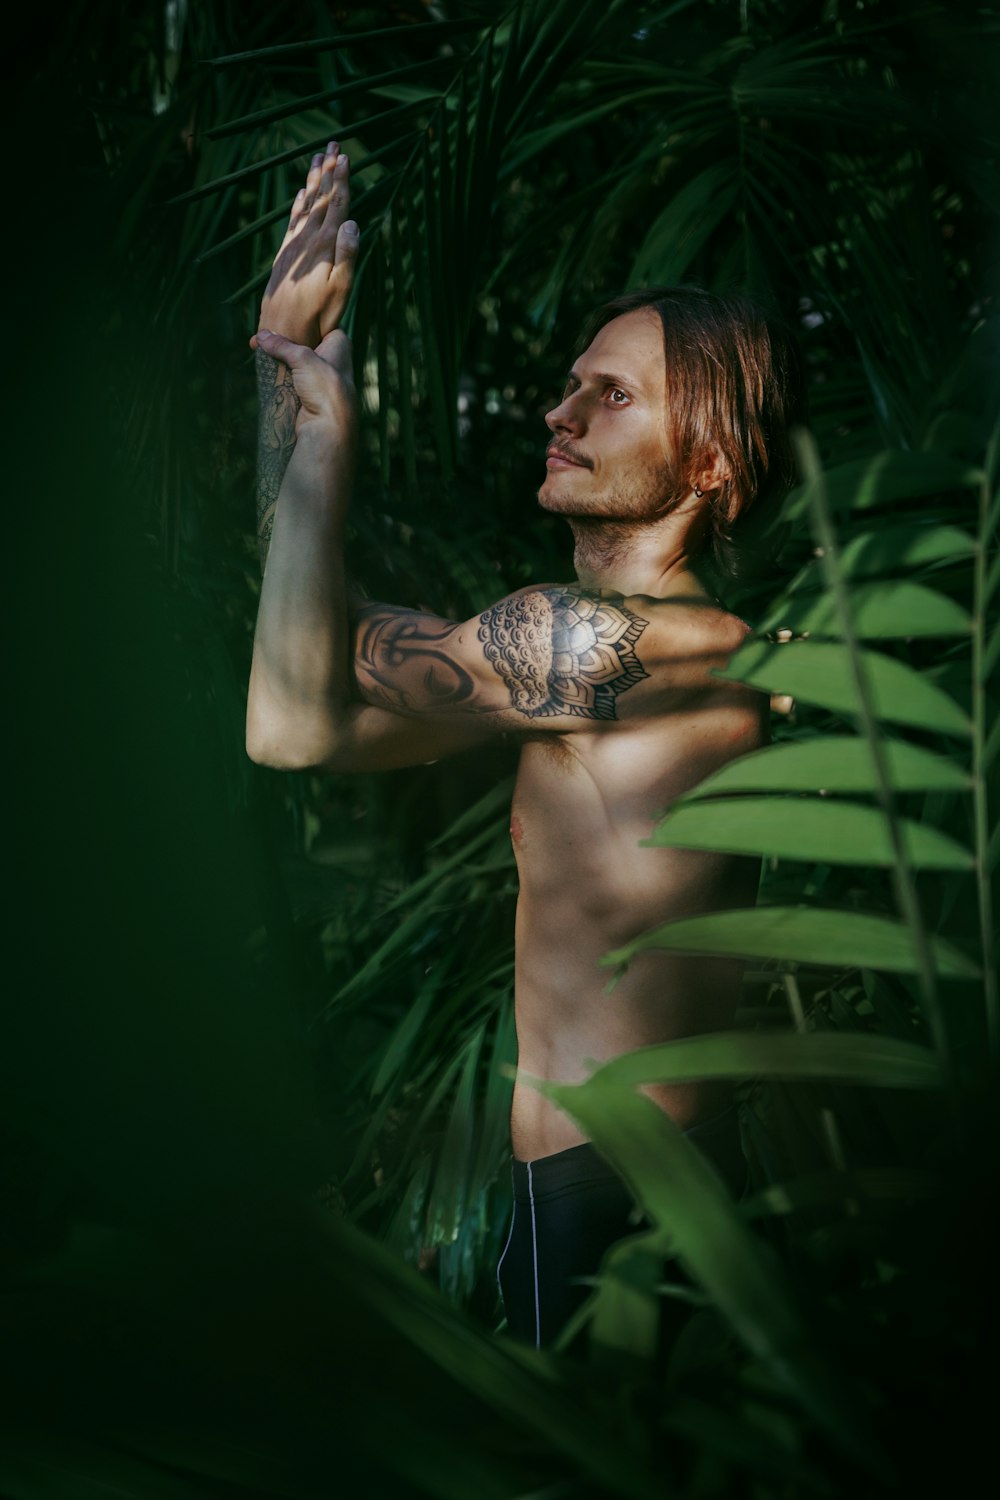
<point x="558" y="458"/>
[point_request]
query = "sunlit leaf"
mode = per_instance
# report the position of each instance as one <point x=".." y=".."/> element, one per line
<point x="800" y="934"/>
<point x="820" y="673"/>
<point x="897" y="548"/>
<point x="893" y="608"/>
<point x="847" y="1057"/>
<point x="835" y="763"/>
<point x="806" y="828"/>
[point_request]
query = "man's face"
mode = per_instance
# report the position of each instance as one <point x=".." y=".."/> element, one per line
<point x="607" y="456"/>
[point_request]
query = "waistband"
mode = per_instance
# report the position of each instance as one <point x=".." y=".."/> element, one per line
<point x="718" y="1138"/>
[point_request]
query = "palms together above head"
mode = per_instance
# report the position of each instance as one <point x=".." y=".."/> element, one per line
<point x="313" y="270"/>
<point x="323" y="379"/>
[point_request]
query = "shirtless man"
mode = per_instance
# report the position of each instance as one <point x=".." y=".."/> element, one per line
<point x="664" y="433"/>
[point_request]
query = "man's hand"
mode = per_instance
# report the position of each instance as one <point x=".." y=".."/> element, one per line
<point x="323" y="381"/>
<point x="313" y="271"/>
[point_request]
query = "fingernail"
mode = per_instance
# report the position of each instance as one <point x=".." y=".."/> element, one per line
<point x="331" y="147"/>
<point x="265" y="331"/>
<point x="351" y="229"/>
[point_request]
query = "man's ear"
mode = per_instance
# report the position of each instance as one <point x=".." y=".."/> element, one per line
<point x="712" y="473"/>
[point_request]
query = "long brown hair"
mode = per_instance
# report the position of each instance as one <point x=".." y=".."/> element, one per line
<point x="734" y="387"/>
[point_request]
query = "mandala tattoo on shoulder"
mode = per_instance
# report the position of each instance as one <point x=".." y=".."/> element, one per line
<point x="564" y="651"/>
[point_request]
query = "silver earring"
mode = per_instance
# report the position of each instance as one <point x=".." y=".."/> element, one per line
<point x="698" y="492"/>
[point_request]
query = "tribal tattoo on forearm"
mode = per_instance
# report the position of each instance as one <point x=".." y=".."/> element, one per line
<point x="558" y="651"/>
<point x="278" y="407"/>
<point x="401" y="660"/>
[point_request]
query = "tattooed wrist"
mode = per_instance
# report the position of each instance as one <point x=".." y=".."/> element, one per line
<point x="278" y="410"/>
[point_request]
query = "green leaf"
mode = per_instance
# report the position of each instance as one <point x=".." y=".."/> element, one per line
<point x="494" y="1140"/>
<point x="847" y="1057"/>
<point x="805" y="828"/>
<point x="678" y="233"/>
<point x="516" y="1382"/>
<point x="890" y="475"/>
<point x="800" y="934"/>
<point x="821" y="1189"/>
<point x="820" y="673"/>
<point x="895" y="608"/>
<point x="834" y="763"/>
<point x="899" y="548"/>
<point x="695" y="1216"/>
<point x="432" y="30"/>
<point x="297" y="104"/>
<point x="447" y="1201"/>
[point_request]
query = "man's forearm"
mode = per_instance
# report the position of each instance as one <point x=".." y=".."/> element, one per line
<point x="278" y="407"/>
<point x="299" y="682"/>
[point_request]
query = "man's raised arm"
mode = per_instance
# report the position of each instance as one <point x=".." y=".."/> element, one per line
<point x="304" y="300"/>
<point x="302" y="711"/>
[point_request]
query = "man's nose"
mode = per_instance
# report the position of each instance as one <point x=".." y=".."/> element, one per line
<point x="566" y="417"/>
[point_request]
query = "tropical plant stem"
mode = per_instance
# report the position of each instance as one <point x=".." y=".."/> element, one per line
<point x="903" y="881"/>
<point x="980" y="748"/>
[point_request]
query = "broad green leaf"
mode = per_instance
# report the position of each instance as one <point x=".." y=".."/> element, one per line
<point x="694" y="1215"/>
<point x="992" y="745"/>
<point x="894" y="608"/>
<point x="835" y="763"/>
<point x="822" y="1189"/>
<point x="819" y="672"/>
<point x="624" y="1311"/>
<point x="800" y="934"/>
<point x="890" y="475"/>
<point x="805" y="828"/>
<point x="847" y="1057"/>
<point x="516" y="1382"/>
<point x="991" y="656"/>
<point x="992" y="580"/>
<point x="898" y="548"/>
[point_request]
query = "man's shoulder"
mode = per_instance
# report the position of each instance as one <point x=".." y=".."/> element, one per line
<point x="693" y="620"/>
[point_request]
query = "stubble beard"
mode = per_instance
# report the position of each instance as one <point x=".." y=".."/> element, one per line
<point x="605" y="524"/>
<point x="630" y="502"/>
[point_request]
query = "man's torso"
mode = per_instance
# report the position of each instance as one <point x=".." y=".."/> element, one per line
<point x="582" y="804"/>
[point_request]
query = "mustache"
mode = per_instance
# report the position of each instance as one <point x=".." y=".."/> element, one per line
<point x="565" y="451"/>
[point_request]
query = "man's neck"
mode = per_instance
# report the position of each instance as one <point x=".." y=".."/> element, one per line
<point x="649" y="559"/>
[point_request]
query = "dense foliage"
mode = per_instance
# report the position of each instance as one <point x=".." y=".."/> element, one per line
<point x="296" y="1029"/>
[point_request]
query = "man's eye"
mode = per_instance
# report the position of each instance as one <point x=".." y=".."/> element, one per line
<point x="615" y="393"/>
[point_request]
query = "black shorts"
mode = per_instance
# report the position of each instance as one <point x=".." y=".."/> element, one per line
<point x="569" y="1209"/>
